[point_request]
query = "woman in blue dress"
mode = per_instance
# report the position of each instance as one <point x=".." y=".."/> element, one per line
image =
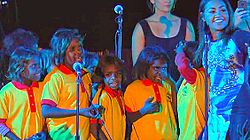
<point x="224" y="63"/>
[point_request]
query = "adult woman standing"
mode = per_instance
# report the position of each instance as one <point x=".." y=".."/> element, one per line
<point x="162" y="29"/>
<point x="223" y="60"/>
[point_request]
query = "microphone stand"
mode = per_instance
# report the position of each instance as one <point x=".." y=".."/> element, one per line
<point x="78" y="82"/>
<point x="206" y="85"/>
<point x="118" y="36"/>
<point x="91" y="104"/>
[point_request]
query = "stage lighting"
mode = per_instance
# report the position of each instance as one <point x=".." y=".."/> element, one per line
<point x="3" y="3"/>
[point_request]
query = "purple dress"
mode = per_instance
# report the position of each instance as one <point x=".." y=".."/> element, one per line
<point x="168" y="44"/>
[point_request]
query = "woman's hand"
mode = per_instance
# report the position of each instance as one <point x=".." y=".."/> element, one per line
<point x="240" y="14"/>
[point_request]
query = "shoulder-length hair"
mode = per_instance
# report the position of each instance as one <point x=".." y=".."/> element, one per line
<point x="204" y="30"/>
<point x="61" y="40"/>
<point x="18" y="59"/>
<point x="146" y="58"/>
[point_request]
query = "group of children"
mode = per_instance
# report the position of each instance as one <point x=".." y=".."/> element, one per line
<point x="33" y="107"/>
<point x="39" y="101"/>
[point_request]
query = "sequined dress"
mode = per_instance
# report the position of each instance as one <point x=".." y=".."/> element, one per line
<point x="226" y="76"/>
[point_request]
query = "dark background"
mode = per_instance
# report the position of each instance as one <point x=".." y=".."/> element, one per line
<point x="94" y="18"/>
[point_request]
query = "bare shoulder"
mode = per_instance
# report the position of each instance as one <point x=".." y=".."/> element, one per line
<point x="190" y="33"/>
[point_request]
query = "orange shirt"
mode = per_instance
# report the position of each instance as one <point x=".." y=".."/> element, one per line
<point x="160" y="125"/>
<point x="20" y="107"/>
<point x="191" y="107"/>
<point x="60" y="91"/>
<point x="114" y="112"/>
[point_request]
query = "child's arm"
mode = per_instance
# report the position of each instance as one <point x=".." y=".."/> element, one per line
<point x="5" y="131"/>
<point x="12" y="136"/>
<point x="185" y="70"/>
<point x="49" y="111"/>
<point x="148" y="108"/>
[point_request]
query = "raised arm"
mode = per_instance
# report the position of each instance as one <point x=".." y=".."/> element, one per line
<point x="183" y="65"/>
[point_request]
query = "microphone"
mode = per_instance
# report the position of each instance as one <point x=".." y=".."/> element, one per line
<point x="77" y="68"/>
<point x="118" y="9"/>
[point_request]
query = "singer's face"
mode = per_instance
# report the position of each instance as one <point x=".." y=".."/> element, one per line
<point x="216" y="15"/>
<point x="73" y="54"/>
<point x="163" y="5"/>
<point x="157" y="70"/>
<point x="112" y="76"/>
<point x="32" y="70"/>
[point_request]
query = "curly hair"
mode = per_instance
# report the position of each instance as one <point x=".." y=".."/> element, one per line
<point x="110" y="59"/>
<point x="18" y="59"/>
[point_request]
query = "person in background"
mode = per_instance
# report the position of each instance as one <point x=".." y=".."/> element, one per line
<point x="110" y="97"/>
<point x="191" y="94"/>
<point x="20" y="99"/>
<point x="222" y="54"/>
<point x="148" y="98"/>
<point x="162" y="29"/>
<point x="90" y="62"/>
<point x="59" y="93"/>
<point x="46" y="62"/>
<point x="19" y="37"/>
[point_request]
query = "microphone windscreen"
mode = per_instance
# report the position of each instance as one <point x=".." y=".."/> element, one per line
<point x="77" y="66"/>
<point x="118" y="9"/>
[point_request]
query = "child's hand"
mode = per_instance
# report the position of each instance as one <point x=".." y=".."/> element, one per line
<point x="97" y="111"/>
<point x="150" y="107"/>
<point x="37" y="136"/>
<point x="180" y="47"/>
<point x="89" y="112"/>
<point x="92" y="111"/>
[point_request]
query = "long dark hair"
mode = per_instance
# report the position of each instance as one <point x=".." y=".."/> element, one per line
<point x="203" y="29"/>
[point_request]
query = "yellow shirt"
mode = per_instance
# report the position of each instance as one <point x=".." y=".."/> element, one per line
<point x="60" y="91"/>
<point x="114" y="112"/>
<point x="191" y="107"/>
<point x="156" y="126"/>
<point x="20" y="109"/>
